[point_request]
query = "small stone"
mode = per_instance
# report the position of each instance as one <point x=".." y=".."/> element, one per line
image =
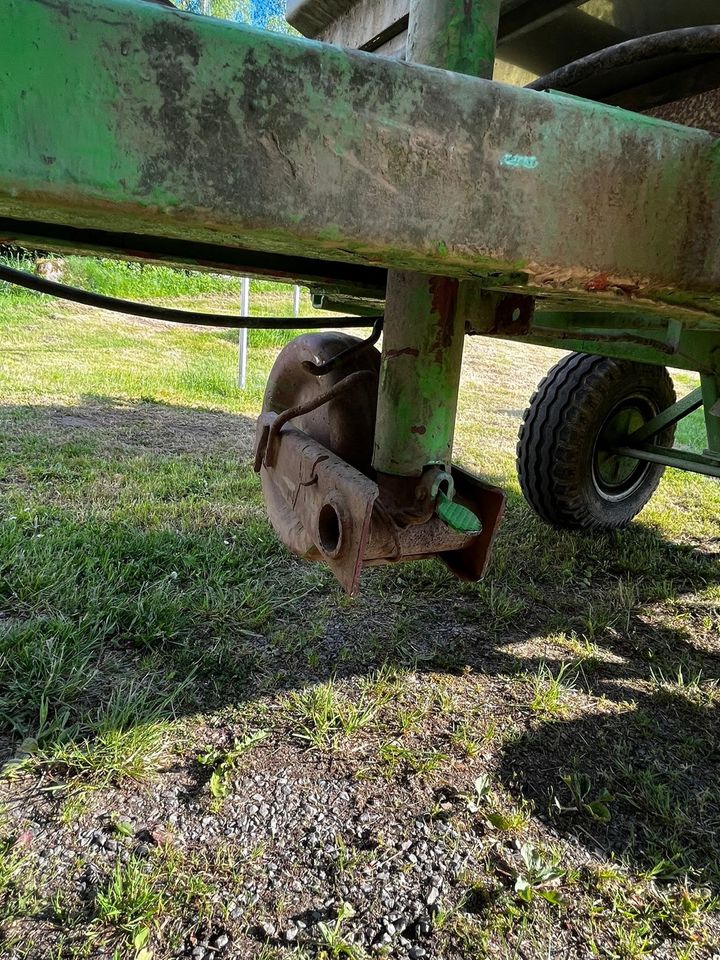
<point x="416" y="953"/>
<point x="111" y="845"/>
<point x="291" y="934"/>
<point x="268" y="929"/>
<point x="220" y="941"/>
<point x="142" y="851"/>
<point x="432" y="896"/>
<point x="198" y="953"/>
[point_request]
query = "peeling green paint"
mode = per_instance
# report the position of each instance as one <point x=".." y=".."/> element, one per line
<point x="126" y="117"/>
<point x="424" y="330"/>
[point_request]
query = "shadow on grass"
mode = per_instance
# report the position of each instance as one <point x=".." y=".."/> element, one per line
<point x="140" y="581"/>
<point x="116" y="425"/>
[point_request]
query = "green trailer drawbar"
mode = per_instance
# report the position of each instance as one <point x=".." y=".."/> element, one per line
<point x="541" y="171"/>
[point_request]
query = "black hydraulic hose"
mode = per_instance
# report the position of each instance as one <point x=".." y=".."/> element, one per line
<point x="690" y="41"/>
<point x="40" y="285"/>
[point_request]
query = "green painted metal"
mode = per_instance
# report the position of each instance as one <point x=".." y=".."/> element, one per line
<point x="664" y="341"/>
<point x="680" y="459"/>
<point x="424" y="331"/>
<point x="667" y="418"/>
<point x="690" y="343"/>
<point x="638" y="446"/>
<point x="710" y="387"/>
<point x="458" y="35"/>
<point x="419" y="375"/>
<point x="125" y="117"/>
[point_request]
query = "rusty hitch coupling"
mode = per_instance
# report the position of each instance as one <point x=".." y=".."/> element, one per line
<point x="324" y="508"/>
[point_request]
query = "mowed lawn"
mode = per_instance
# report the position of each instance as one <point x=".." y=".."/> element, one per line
<point x="209" y="751"/>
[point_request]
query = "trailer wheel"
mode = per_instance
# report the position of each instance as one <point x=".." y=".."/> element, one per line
<point x="582" y="409"/>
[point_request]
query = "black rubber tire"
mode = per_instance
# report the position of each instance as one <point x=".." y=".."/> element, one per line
<point x="557" y="447"/>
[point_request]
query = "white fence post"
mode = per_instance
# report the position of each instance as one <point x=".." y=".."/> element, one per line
<point x="296" y="301"/>
<point x="243" y="344"/>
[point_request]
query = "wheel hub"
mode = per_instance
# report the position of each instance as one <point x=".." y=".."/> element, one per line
<point x="615" y="476"/>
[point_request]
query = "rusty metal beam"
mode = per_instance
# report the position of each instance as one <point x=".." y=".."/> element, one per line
<point x="123" y="116"/>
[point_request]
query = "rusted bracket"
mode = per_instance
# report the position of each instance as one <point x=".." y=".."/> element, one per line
<point x="266" y="448"/>
<point x="345" y="356"/>
<point x="322" y="508"/>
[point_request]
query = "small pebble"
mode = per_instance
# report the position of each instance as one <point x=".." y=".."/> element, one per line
<point x="268" y="929"/>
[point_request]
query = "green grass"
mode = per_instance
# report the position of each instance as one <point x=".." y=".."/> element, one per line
<point x="130" y="899"/>
<point x="323" y="717"/>
<point x="150" y="622"/>
<point x="551" y="690"/>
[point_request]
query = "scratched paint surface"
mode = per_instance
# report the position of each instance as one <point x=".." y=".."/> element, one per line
<point x="423" y="333"/>
<point x="454" y="35"/>
<point x="419" y="374"/>
<point x="517" y="161"/>
<point x="120" y="116"/>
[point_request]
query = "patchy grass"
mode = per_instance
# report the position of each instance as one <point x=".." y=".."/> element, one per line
<point x="165" y="666"/>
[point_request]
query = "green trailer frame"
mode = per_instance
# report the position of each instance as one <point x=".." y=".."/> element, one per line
<point x="467" y="206"/>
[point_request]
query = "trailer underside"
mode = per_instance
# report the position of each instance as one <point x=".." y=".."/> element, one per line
<point x="464" y="205"/>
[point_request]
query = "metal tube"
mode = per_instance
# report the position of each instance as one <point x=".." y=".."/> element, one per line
<point x="455" y="35"/>
<point x="424" y="331"/>
<point x="678" y="459"/>
<point x="710" y="386"/>
<point x="243" y="342"/>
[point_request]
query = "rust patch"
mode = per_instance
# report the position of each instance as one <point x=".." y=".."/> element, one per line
<point x="419" y="430"/>
<point x="406" y="351"/>
<point x="513" y="315"/>
<point x="444" y="294"/>
<point x="600" y="282"/>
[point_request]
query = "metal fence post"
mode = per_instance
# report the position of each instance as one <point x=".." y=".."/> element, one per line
<point x="243" y="343"/>
<point x="296" y="301"/>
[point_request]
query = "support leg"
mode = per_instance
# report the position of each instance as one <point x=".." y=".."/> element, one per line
<point x="321" y="505"/>
<point x="424" y="332"/>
